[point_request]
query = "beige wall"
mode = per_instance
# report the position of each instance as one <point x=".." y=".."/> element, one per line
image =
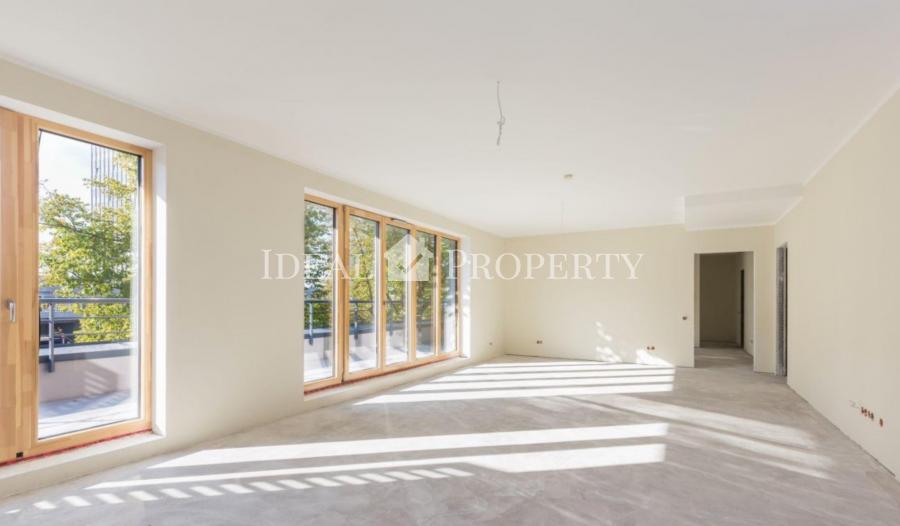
<point x="844" y="287"/>
<point x="228" y="343"/>
<point x="618" y="319"/>
<point x="720" y="298"/>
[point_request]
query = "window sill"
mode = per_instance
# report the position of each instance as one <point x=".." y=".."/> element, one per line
<point x="55" y="461"/>
<point x="316" y="387"/>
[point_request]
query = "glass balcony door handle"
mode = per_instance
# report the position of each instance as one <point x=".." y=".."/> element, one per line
<point x="11" y="305"/>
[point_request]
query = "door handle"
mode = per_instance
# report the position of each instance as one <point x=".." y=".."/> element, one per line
<point x="11" y="305"/>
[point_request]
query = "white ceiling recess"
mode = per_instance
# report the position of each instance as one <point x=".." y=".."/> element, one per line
<point x="644" y="101"/>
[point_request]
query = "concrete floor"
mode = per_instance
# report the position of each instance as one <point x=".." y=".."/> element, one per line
<point x="514" y="441"/>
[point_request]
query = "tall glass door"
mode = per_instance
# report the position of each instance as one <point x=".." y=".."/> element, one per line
<point x="426" y="294"/>
<point x="364" y="313"/>
<point x="398" y="295"/>
<point x="75" y="284"/>
<point x="320" y="292"/>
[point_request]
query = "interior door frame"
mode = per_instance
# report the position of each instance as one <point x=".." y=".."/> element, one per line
<point x="781" y="310"/>
<point x="742" y="309"/>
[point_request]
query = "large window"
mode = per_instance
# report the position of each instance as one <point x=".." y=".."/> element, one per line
<point x="425" y="296"/>
<point x="381" y="294"/>
<point x="75" y="279"/>
<point x="363" y="284"/>
<point x="397" y="292"/>
<point x="320" y="306"/>
<point x="449" y="297"/>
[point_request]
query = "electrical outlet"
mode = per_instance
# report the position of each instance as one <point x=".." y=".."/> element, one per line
<point x="539" y="342"/>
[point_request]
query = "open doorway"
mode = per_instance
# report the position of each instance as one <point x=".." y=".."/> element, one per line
<point x="724" y="313"/>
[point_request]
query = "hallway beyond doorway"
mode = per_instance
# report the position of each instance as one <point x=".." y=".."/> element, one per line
<point x="724" y="302"/>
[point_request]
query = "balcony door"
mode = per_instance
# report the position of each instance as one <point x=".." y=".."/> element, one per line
<point x="397" y="294"/>
<point x="381" y="294"/>
<point x="74" y="282"/>
<point x="364" y="309"/>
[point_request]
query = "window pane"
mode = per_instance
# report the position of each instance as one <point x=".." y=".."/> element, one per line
<point x="363" y="293"/>
<point x="319" y="292"/>
<point x="448" y="295"/>
<point x="89" y="295"/>
<point x="424" y="268"/>
<point x="396" y="257"/>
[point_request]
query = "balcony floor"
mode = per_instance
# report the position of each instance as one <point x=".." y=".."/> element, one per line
<point x="58" y="417"/>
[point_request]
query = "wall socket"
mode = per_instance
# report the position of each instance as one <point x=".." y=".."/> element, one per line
<point x="539" y="342"/>
<point x="867" y="413"/>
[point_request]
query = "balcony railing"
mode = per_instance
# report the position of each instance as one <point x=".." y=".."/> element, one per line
<point x="55" y="320"/>
<point x="358" y="326"/>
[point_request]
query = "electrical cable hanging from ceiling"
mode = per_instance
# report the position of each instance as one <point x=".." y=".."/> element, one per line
<point x="502" y="120"/>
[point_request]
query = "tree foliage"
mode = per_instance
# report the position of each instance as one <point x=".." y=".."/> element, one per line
<point x="363" y="288"/>
<point x="362" y="271"/>
<point x="318" y="247"/>
<point x="90" y="252"/>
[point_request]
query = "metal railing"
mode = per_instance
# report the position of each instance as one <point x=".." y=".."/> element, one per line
<point x="51" y="317"/>
<point x="356" y="327"/>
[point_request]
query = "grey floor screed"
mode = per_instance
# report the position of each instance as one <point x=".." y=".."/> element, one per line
<point x="513" y="441"/>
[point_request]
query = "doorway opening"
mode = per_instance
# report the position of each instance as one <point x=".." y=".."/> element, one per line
<point x="724" y="310"/>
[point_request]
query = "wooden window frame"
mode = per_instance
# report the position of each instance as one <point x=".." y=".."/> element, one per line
<point x="25" y="350"/>
<point x="456" y="308"/>
<point x="343" y="374"/>
<point x="410" y="303"/>
<point x="349" y="375"/>
<point x="338" y="297"/>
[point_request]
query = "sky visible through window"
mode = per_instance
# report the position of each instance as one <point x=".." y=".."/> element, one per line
<point x="65" y="165"/>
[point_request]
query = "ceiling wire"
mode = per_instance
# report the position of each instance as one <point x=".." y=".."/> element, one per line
<point x="502" y="120"/>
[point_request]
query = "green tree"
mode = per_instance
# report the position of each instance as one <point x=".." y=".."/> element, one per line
<point x="363" y="240"/>
<point x="397" y="243"/>
<point x="424" y="314"/>
<point x="318" y="248"/>
<point x="90" y="252"/>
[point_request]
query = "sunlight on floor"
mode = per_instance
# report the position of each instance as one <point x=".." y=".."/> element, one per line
<point x="528" y="379"/>
<point x="418" y="443"/>
<point x="302" y="466"/>
<point x="558" y="459"/>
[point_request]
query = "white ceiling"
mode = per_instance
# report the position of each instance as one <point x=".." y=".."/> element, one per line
<point x="761" y="206"/>
<point x="646" y="102"/>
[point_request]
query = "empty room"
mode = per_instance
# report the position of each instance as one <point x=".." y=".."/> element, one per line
<point x="416" y="262"/>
